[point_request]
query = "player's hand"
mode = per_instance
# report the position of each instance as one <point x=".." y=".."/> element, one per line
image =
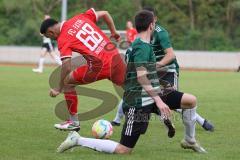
<point x="159" y="64"/>
<point x="165" y="110"/>
<point x="116" y="36"/>
<point x="54" y="92"/>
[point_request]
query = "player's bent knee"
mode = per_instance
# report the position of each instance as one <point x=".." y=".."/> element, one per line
<point x="188" y="101"/>
<point x="121" y="149"/>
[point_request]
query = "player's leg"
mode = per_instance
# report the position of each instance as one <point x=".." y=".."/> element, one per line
<point x="39" y="69"/>
<point x="74" y="139"/>
<point x="188" y="103"/>
<point x="118" y="70"/>
<point x="136" y="123"/>
<point x="208" y="126"/>
<point x="189" y="106"/>
<point x="172" y="78"/>
<point x="71" y="98"/>
<point x="81" y="75"/>
<point x="101" y="145"/>
<point x="119" y="115"/>
<point x="130" y="134"/>
<point x="71" y="124"/>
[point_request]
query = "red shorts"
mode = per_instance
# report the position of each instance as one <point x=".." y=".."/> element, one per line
<point x="114" y="71"/>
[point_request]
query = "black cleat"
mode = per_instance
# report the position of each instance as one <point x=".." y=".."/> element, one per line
<point x="170" y="127"/>
<point x="208" y="126"/>
<point x="115" y="123"/>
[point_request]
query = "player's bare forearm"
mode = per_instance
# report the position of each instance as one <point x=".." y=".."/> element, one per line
<point x="66" y="69"/>
<point x="169" y="57"/>
<point x="108" y="19"/>
<point x="146" y="84"/>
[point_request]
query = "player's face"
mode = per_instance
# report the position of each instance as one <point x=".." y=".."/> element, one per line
<point x="129" y="24"/>
<point x="152" y="28"/>
<point x="51" y="34"/>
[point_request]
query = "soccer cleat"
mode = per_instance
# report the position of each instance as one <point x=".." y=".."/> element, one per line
<point x="115" y="123"/>
<point x="67" y="126"/>
<point x="194" y="146"/>
<point x="37" y="70"/>
<point x="208" y="126"/>
<point x="70" y="142"/>
<point x="170" y="127"/>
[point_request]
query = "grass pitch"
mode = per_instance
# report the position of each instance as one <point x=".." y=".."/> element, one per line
<point x="27" y="118"/>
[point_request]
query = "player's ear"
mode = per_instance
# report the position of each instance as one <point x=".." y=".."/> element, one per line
<point x="152" y="26"/>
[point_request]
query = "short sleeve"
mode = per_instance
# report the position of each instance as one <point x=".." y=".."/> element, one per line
<point x="91" y="14"/>
<point x="164" y="39"/>
<point x="141" y="57"/>
<point x="65" y="51"/>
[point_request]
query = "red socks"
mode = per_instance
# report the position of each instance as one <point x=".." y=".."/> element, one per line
<point x="72" y="101"/>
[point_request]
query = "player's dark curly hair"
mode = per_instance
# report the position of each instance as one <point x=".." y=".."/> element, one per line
<point x="143" y="19"/>
<point x="46" y="24"/>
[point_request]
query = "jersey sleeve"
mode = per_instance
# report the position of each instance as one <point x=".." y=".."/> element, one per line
<point x="164" y="39"/>
<point x="65" y="51"/>
<point x="91" y="14"/>
<point x="141" y="57"/>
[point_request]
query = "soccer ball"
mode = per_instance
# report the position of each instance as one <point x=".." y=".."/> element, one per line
<point x="102" y="129"/>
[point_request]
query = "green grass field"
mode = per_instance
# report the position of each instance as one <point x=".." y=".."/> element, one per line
<point x="27" y="118"/>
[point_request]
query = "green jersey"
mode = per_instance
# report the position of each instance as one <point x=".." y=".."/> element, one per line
<point x="160" y="42"/>
<point x="140" y="54"/>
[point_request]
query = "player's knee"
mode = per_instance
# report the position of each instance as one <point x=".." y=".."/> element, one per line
<point x="66" y="81"/>
<point x="189" y="101"/>
<point x="194" y="101"/>
<point x="121" y="149"/>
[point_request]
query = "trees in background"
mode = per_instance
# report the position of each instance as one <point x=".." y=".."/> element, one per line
<point x="192" y="24"/>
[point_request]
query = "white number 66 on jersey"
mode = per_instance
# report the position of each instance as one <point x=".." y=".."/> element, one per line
<point x="89" y="37"/>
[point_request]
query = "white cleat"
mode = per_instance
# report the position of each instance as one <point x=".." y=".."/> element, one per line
<point x="194" y="146"/>
<point x="37" y="70"/>
<point x="70" y="142"/>
<point x="67" y="126"/>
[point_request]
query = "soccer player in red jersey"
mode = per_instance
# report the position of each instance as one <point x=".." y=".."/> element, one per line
<point x="81" y="34"/>
<point x="131" y="33"/>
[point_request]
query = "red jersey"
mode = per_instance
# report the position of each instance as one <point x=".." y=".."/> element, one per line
<point x="131" y="34"/>
<point x="81" y="34"/>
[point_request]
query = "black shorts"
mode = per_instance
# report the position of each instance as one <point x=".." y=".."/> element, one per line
<point x="137" y="119"/>
<point x="50" y="47"/>
<point x="168" y="79"/>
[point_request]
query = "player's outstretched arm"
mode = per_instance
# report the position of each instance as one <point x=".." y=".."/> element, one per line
<point x="146" y="84"/>
<point x="109" y="21"/>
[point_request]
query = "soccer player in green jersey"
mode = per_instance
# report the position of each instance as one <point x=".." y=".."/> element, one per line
<point x="167" y="66"/>
<point x="142" y="96"/>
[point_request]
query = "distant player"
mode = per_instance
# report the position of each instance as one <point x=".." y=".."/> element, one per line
<point x="142" y="96"/>
<point x="81" y="34"/>
<point x="47" y="48"/>
<point x="167" y="66"/>
<point x="131" y="32"/>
